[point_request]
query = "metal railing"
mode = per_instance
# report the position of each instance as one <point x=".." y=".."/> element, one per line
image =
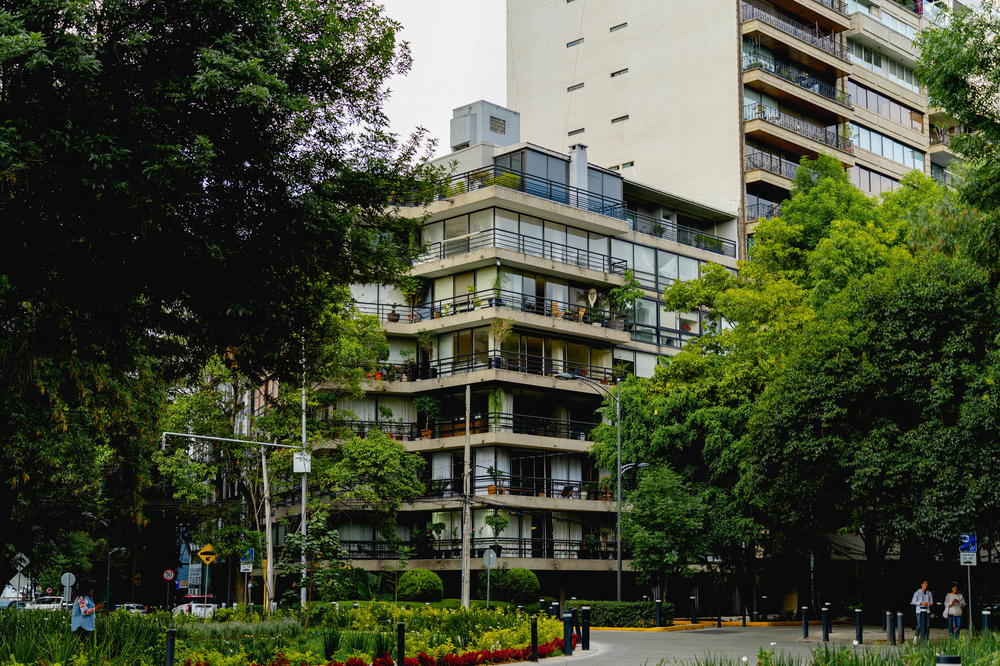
<point x="492" y="360"/>
<point x="536" y="247"/>
<point x="521" y="486"/>
<point x="482" y="422"/>
<point x="762" y="210"/>
<point x="581" y="549"/>
<point x="770" y="163"/>
<point x="838" y="6"/>
<point x="679" y="233"/>
<point x="794" y="75"/>
<point x="397" y="429"/>
<point x="753" y="9"/>
<point x="792" y="124"/>
<point x="939" y="137"/>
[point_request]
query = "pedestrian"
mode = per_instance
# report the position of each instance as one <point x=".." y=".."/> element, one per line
<point x="82" y="618"/>
<point x="922" y="600"/>
<point x="954" y="602"/>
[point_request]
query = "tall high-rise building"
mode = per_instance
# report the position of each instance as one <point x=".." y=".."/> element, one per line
<point x="717" y="100"/>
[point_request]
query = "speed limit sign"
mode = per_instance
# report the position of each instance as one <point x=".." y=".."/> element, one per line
<point x="169" y="574"/>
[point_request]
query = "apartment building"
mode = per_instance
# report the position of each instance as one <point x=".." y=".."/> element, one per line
<point x="717" y="100"/>
<point x="523" y="250"/>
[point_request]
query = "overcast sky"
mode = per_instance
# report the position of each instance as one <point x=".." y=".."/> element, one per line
<point x="459" y="56"/>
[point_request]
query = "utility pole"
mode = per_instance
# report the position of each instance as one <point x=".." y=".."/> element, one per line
<point x="302" y="588"/>
<point x="467" y="503"/>
<point x="269" y="562"/>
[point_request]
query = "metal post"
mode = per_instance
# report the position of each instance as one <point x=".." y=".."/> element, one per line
<point x="618" y="458"/>
<point x="923" y="624"/>
<point x="901" y="626"/>
<point x="305" y="517"/>
<point x="805" y="622"/>
<point x="986" y="621"/>
<point x="694" y="611"/>
<point x="585" y="628"/>
<point x="466" y="504"/>
<point x="858" y="627"/>
<point x="825" y="620"/>
<point x="268" y="537"/>
<point x="534" y="638"/>
<point x="567" y="619"/>
<point x="554" y="609"/>
<point x="400" y="644"/>
<point x="487" y="588"/>
<point x="659" y="611"/>
<point x="542" y="606"/>
<point x="171" y="637"/>
<point x="890" y="627"/>
<point x="943" y="659"/>
<point x="763" y="605"/>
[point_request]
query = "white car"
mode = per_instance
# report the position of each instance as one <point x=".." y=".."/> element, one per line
<point x="47" y="603"/>
<point x="196" y="609"/>
<point x="132" y="608"/>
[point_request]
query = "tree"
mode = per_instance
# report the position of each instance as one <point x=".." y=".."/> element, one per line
<point x="213" y="173"/>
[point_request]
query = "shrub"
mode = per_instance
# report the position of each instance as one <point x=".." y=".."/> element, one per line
<point x="624" y="613"/>
<point x="519" y="586"/>
<point x="420" y="585"/>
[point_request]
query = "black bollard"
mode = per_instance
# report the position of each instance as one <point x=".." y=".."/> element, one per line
<point x="901" y="627"/>
<point x="567" y="634"/>
<point x="859" y="628"/>
<point x="542" y="606"/>
<point x="824" y="614"/>
<point x="659" y="612"/>
<point x="534" y="638"/>
<point x="585" y="629"/>
<point x="763" y="606"/>
<point x="943" y="659"/>
<point x="400" y="644"/>
<point x="694" y="611"/>
<point x="923" y="624"/>
<point x="718" y="616"/>
<point x="890" y="627"/>
<point x="986" y="621"/>
<point x="171" y="637"/>
<point x="518" y="610"/>
<point x="554" y="609"/>
<point x="805" y="622"/>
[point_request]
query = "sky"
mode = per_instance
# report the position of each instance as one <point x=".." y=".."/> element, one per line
<point x="459" y="56"/>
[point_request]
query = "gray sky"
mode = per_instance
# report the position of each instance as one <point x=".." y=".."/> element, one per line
<point x="459" y="56"/>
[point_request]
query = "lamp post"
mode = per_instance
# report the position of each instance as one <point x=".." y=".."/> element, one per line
<point x="107" y="586"/>
<point x="618" y="467"/>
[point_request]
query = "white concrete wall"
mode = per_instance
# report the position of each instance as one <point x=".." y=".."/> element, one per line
<point x="681" y="92"/>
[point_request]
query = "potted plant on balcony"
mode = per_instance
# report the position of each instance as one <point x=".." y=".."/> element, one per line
<point x="393" y="316"/>
<point x="497" y="300"/>
<point x="425" y="341"/>
<point x="430" y="407"/>
<point x="473" y="299"/>
<point x="498" y="522"/>
<point x="497" y="400"/>
<point x="622" y="300"/>
<point x="500" y="330"/>
<point x="496" y="476"/>
<point x="413" y="289"/>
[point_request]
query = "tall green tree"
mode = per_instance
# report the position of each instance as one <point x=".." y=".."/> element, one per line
<point x="178" y="180"/>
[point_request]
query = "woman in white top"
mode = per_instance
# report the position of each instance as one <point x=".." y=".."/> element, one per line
<point x="954" y="602"/>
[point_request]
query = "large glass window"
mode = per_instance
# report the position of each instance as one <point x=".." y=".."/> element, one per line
<point x="887" y="148"/>
<point x="886" y="107"/>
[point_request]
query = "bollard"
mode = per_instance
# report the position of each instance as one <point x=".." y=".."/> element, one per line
<point x="901" y="627"/>
<point x="356" y="606"/>
<point x="694" y="611"/>
<point x="171" y="637"/>
<point x="890" y="627"/>
<point x="554" y="609"/>
<point x="825" y="621"/>
<point x="542" y="606"/>
<point x="585" y="628"/>
<point x="400" y="644"/>
<point x="718" y="616"/>
<point x="986" y="621"/>
<point x="518" y="610"/>
<point x="567" y="634"/>
<point x="534" y="638"/>
<point x="805" y="622"/>
<point x="948" y="659"/>
<point x="859" y="630"/>
<point x="923" y="624"/>
<point x="659" y="612"/>
<point x="763" y="606"/>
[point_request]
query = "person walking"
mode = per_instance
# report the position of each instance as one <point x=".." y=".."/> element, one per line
<point x="922" y="602"/>
<point x="81" y="620"/>
<point x="954" y="603"/>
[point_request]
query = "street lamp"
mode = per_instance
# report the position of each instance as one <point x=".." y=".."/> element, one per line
<point x="107" y="588"/>
<point x="618" y="466"/>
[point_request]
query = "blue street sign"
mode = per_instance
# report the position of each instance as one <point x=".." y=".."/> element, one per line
<point x="967" y="543"/>
<point x="248" y="556"/>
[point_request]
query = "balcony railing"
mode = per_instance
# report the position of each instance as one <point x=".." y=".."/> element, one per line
<point x="680" y="233"/>
<point x="797" y="125"/>
<point x="794" y="75"/>
<point x="770" y="163"/>
<point x="397" y="430"/>
<point x="753" y="9"/>
<point x="536" y="247"/>
<point x="943" y="137"/>
<point x="493" y="360"/>
<point x="521" y="486"/>
<point x="577" y="549"/>
<point x="480" y="422"/>
<point x="766" y="210"/>
<point x="838" y="6"/>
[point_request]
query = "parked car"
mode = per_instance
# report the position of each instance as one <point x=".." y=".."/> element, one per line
<point x="46" y="603"/>
<point x="196" y="609"/>
<point x="133" y="607"/>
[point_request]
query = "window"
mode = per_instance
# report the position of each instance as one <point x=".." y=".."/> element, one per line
<point x="618" y="27"/>
<point x="575" y="86"/>
<point x="871" y="182"/>
<point x="886" y="147"/>
<point x="619" y="72"/>
<point x="871" y="60"/>
<point x="619" y="119"/>
<point x="575" y="132"/>
<point x="628" y="165"/>
<point x="499" y="125"/>
<point x="575" y="42"/>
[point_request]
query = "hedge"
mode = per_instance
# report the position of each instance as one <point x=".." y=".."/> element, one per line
<point x="517" y="585"/>
<point x="624" y="613"/>
<point x="420" y="585"/>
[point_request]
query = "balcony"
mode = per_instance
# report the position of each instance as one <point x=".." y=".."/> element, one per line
<point x="797" y="126"/>
<point x="535" y="247"/>
<point x="493" y="360"/>
<point x="679" y="233"/>
<point x="779" y="166"/>
<point x="480" y="422"/>
<point x="799" y="77"/>
<point x="751" y="10"/>
<point x="762" y="210"/>
<point x="442" y="549"/>
<point x="521" y="486"/>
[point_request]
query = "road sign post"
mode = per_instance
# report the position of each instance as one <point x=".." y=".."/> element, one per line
<point x="67" y="580"/>
<point x="489" y="561"/>
<point x="968" y="553"/>
<point x="168" y="577"/>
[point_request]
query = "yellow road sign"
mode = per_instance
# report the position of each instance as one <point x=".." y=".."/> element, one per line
<point x="206" y="554"/>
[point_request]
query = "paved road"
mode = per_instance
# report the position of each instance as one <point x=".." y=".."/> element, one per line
<point x="635" y="648"/>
